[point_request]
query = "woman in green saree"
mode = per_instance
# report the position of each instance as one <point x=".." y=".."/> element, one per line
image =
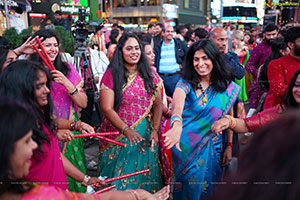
<point x="131" y="103"/>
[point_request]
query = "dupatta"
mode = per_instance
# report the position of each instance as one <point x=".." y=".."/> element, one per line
<point x="62" y="102"/>
<point x="135" y="107"/>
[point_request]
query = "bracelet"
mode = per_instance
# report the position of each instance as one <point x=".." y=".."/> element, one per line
<point x="230" y="144"/>
<point x="74" y="92"/>
<point x="72" y="126"/>
<point x="124" y="129"/>
<point x="232" y="121"/>
<point x="15" y="53"/>
<point x="85" y="180"/>
<point x="175" y="118"/>
<point x="166" y="112"/>
<point x="77" y="124"/>
<point x="134" y="194"/>
<point x="155" y="129"/>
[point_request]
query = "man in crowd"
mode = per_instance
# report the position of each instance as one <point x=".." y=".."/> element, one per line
<point x="258" y="56"/>
<point x="280" y="71"/>
<point x="169" y="54"/>
<point x="200" y="33"/>
<point x="219" y="37"/>
<point x="59" y="21"/>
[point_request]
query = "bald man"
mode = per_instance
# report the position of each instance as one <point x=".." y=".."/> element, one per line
<point x="220" y="38"/>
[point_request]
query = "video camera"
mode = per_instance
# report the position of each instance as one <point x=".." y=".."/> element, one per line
<point x="80" y="33"/>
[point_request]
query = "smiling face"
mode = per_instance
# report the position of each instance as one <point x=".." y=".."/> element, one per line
<point x="51" y="47"/>
<point x="149" y="54"/>
<point x="41" y="89"/>
<point x="20" y="160"/>
<point x="131" y="52"/>
<point x="296" y="90"/>
<point x="202" y="64"/>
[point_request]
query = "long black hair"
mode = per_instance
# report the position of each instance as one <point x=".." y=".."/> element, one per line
<point x="18" y="82"/>
<point x="16" y="121"/>
<point x="289" y="100"/>
<point x="221" y="74"/>
<point x="120" y="73"/>
<point x="58" y="63"/>
<point x="4" y="49"/>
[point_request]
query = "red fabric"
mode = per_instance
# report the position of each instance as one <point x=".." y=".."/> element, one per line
<point x="257" y="121"/>
<point x="280" y="73"/>
<point x="168" y="151"/>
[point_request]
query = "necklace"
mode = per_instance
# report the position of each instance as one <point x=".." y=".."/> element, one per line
<point x="204" y="98"/>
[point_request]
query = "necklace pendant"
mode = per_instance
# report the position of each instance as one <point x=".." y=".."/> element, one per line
<point x="204" y="100"/>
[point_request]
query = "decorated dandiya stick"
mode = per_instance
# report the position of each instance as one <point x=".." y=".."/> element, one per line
<point x="96" y="134"/>
<point x="126" y="175"/>
<point x="112" y="141"/>
<point x="42" y="57"/>
<point x="44" y="52"/>
<point x="104" y="189"/>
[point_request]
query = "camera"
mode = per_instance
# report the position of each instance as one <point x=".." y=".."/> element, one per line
<point x="81" y="33"/>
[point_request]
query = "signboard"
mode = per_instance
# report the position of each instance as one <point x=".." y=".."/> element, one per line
<point x="193" y="5"/>
<point x="170" y="11"/>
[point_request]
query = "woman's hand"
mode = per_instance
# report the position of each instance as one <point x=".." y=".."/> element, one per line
<point x="84" y="127"/>
<point x="96" y="182"/>
<point x="64" y="135"/>
<point x="133" y="136"/>
<point x="227" y="156"/>
<point x="60" y="78"/>
<point x="220" y="125"/>
<point x="172" y="137"/>
<point x="163" y="193"/>
<point x="154" y="137"/>
<point x="27" y="47"/>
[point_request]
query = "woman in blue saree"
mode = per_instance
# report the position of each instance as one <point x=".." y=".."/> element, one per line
<point x="204" y="94"/>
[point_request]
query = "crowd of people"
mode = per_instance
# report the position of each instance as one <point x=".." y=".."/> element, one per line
<point x="176" y="96"/>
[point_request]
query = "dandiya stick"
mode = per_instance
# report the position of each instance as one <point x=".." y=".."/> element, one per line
<point x="126" y="175"/>
<point x="104" y="189"/>
<point x="112" y="141"/>
<point x="96" y="134"/>
<point x="44" y="52"/>
<point x="42" y="57"/>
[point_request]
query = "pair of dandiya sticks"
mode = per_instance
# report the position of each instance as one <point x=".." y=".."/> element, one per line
<point x="118" y="178"/>
<point x="100" y="136"/>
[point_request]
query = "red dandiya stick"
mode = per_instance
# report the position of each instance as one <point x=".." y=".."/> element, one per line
<point x="104" y="189"/>
<point x="126" y="175"/>
<point x="112" y="141"/>
<point x="96" y="134"/>
<point x="44" y="52"/>
<point x="42" y="57"/>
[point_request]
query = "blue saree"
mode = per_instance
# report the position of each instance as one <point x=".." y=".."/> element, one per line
<point x="197" y="167"/>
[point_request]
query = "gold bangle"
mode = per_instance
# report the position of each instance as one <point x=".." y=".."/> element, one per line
<point x="156" y="130"/>
<point x="124" y="129"/>
<point x="77" y="125"/>
<point x="232" y="121"/>
<point x="72" y="126"/>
